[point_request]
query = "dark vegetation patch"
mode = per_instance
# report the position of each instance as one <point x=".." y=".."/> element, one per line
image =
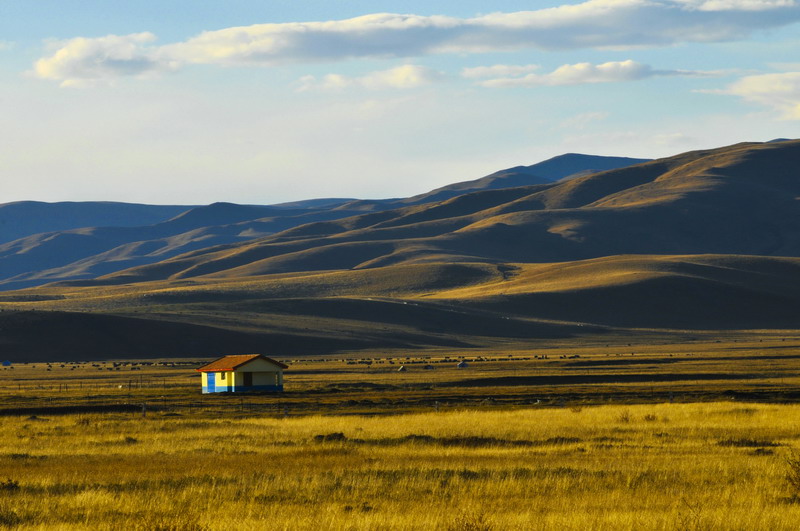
<point x="359" y="386"/>
<point x="126" y="441"/>
<point x="9" y="485"/>
<point x="445" y="475"/>
<point x="762" y="451"/>
<point x="670" y="360"/>
<point x="739" y="411"/>
<point x="466" y="442"/>
<point x="134" y="485"/>
<point x="747" y="443"/>
<point x="607" y="439"/>
<point x="572" y="379"/>
<point x="68" y="410"/>
<point x="29" y="297"/>
<point x="25" y="457"/>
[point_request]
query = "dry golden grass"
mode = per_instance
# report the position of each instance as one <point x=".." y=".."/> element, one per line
<point x="670" y="466"/>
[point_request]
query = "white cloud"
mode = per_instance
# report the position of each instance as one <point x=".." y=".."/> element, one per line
<point x="401" y="77"/>
<point x="495" y="71"/>
<point x="594" y="23"/>
<point x="83" y="61"/>
<point x="578" y="74"/>
<point x="6" y="45"/>
<point x="591" y="24"/>
<point x="779" y="92"/>
<point x="585" y="73"/>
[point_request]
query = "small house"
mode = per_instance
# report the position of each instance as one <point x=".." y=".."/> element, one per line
<point x="241" y="374"/>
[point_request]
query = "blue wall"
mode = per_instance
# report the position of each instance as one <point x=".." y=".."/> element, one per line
<point x="243" y="389"/>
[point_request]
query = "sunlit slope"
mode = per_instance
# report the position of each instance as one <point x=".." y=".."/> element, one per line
<point x="694" y="292"/>
<point x="690" y="291"/>
<point x="736" y="200"/>
<point x="769" y="274"/>
<point x="403" y="281"/>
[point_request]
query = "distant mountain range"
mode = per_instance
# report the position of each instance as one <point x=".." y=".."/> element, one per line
<point x="736" y="200"/>
<point x="701" y="242"/>
<point x="45" y="242"/>
<point x="24" y="218"/>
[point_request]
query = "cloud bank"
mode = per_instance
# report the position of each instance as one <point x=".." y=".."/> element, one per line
<point x="591" y="24"/>
<point x="83" y="61"/>
<point x="401" y="77"/>
<point x="779" y="92"/>
<point x="585" y="73"/>
<point x="496" y="71"/>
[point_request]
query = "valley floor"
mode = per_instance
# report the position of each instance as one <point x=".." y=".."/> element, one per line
<point x="754" y="366"/>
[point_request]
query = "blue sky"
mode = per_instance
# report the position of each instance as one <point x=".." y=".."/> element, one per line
<point x="261" y="102"/>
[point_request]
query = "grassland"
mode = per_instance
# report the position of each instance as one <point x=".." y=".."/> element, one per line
<point x="556" y="424"/>
<point x="752" y="367"/>
<point x="571" y="435"/>
<point x="670" y="466"/>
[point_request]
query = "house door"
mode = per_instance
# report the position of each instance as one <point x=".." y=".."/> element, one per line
<point x="211" y="379"/>
<point x="248" y="379"/>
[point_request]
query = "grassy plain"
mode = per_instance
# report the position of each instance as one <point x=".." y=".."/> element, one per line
<point x="670" y="466"/>
<point x="564" y="437"/>
<point x="741" y="366"/>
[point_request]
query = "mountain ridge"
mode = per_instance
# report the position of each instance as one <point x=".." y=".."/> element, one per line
<point x="697" y="203"/>
<point x="87" y="252"/>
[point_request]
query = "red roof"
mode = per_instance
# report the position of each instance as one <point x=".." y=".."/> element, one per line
<point x="230" y="363"/>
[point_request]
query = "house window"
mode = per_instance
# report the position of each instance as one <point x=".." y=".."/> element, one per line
<point x="248" y="379"/>
<point x="223" y="376"/>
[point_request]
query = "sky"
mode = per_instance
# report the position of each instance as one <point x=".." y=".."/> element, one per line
<point x="246" y="101"/>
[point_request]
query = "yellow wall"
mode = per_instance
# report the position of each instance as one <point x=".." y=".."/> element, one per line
<point x="217" y="378"/>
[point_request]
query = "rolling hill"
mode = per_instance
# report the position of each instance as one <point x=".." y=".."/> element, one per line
<point x="549" y="171"/>
<point x="702" y="241"/>
<point x="449" y="307"/>
<point x="736" y="200"/>
<point x="43" y="242"/>
<point x="25" y="218"/>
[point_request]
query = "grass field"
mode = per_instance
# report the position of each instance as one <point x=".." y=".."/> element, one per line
<point x="755" y="367"/>
<point x="668" y="466"/>
<point x="693" y="434"/>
